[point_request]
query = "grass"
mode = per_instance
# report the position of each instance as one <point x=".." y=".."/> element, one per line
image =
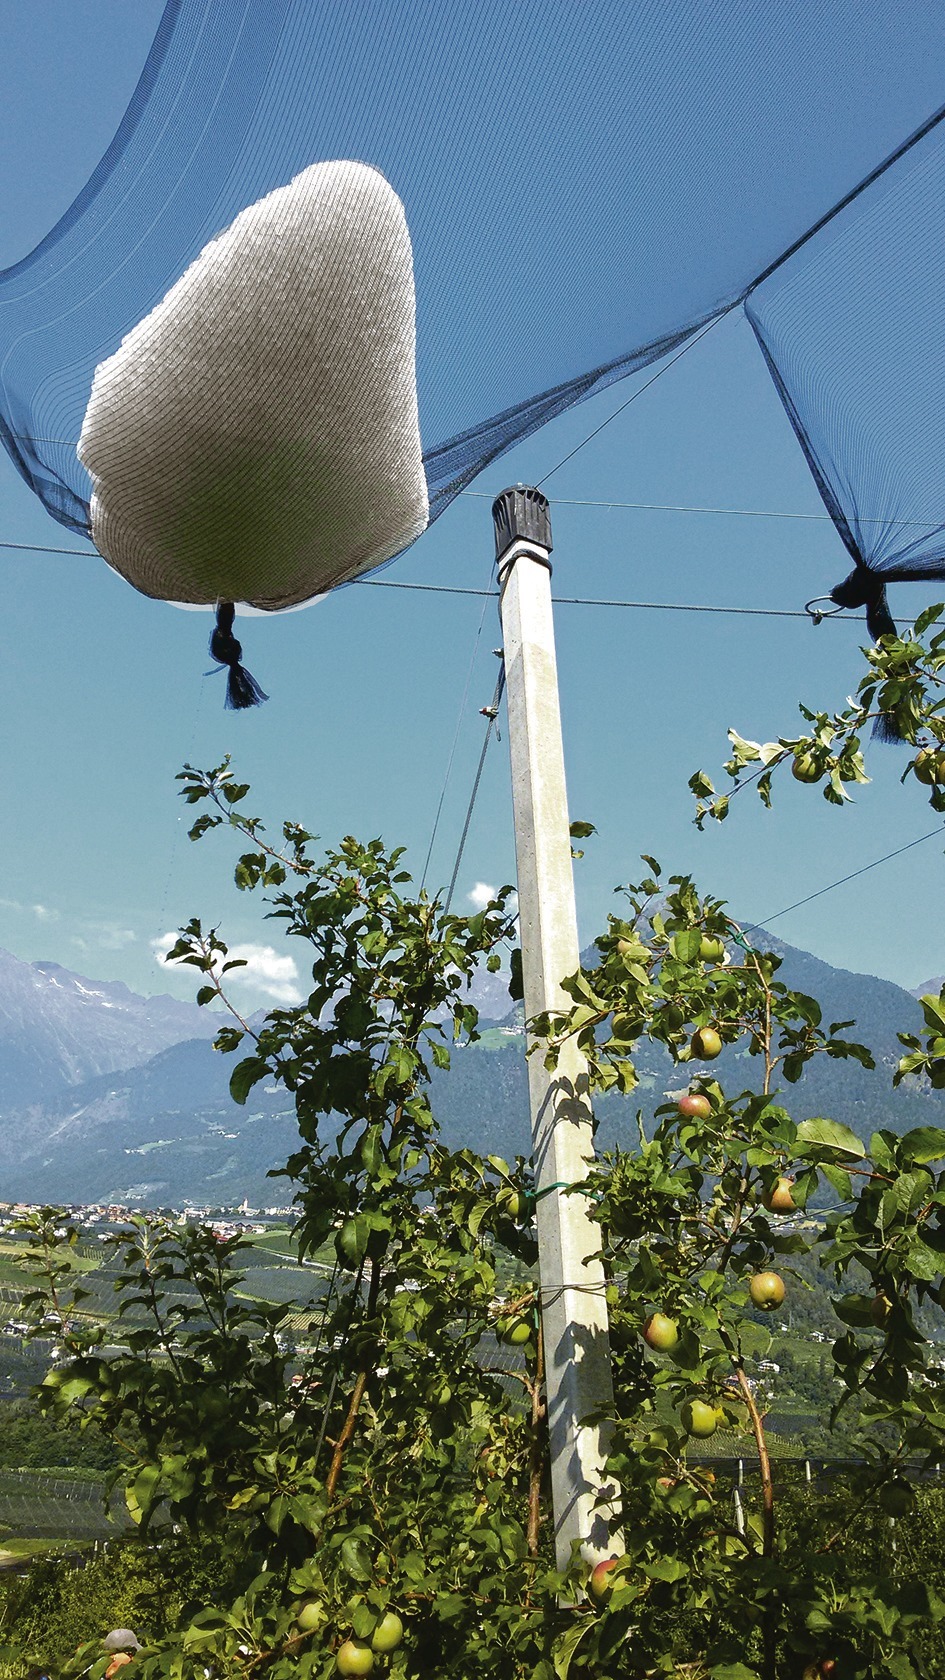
<point x="15" y="1547"/>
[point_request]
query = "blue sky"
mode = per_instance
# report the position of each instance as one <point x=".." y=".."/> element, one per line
<point x="103" y="693"/>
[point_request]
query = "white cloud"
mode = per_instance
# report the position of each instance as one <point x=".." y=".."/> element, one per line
<point x="268" y="973"/>
<point x="481" y="895"/>
<point x="43" y="913"/>
<point x="114" y="938"/>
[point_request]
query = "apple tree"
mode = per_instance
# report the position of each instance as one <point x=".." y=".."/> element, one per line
<point x="379" y="1503"/>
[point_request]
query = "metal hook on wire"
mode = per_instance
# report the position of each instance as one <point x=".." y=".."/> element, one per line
<point x="817" y="617"/>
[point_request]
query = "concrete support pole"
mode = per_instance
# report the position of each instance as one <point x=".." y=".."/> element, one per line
<point x="573" y="1304"/>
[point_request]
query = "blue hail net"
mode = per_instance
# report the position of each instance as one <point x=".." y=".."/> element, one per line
<point x="586" y="183"/>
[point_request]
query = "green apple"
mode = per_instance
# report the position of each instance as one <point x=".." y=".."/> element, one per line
<point x="660" y="1332"/>
<point x="706" y="1044"/>
<point x="626" y="1027"/>
<point x="929" y="767"/>
<point x="694" y="1106"/>
<point x="509" y="1201"/>
<point x="515" y="1332"/>
<point x="600" y="1581"/>
<point x="766" y="1290"/>
<point x="388" y="1633"/>
<point x="805" y="768"/>
<point x="896" y="1498"/>
<point x="699" y="1418"/>
<point x="310" y="1616"/>
<point x="354" y="1657"/>
<point x="711" y="950"/>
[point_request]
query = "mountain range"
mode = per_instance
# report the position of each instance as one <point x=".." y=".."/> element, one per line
<point x="108" y="1096"/>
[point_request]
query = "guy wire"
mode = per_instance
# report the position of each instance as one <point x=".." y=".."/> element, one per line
<point x="491" y="712"/>
<point x="452" y="753"/>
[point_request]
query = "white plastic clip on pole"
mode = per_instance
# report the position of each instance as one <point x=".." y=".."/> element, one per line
<point x="573" y="1304"/>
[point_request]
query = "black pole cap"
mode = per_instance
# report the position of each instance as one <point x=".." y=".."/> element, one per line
<point x="521" y="512"/>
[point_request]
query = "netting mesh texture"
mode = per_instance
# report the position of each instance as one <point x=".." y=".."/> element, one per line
<point x="584" y="184"/>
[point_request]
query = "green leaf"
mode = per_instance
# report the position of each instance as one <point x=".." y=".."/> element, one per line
<point x="923" y="1144"/>
<point x="930" y="616"/>
<point x="245" y="1075"/>
<point x="581" y="830"/>
<point x="828" y="1134"/>
<point x="933" y="1008"/>
<point x="567" y="1645"/>
<point x="449" y="1605"/>
<point x="352" y="1240"/>
<point x="839" y="1179"/>
<point x="664" y="1569"/>
<point x="687" y="944"/>
<point x="356" y="1558"/>
<point x="854" y="1309"/>
<point x="140" y="1495"/>
<point x="922" y="1262"/>
<point x="743" y="752"/>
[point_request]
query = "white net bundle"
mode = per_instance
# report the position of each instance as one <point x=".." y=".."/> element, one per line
<point x="255" y="438"/>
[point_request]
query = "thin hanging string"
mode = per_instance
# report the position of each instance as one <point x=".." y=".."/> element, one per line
<point x="663" y="368"/>
<point x="486" y="593"/>
<point x="752" y="926"/>
<point x="242" y="689"/>
<point x="175" y="843"/>
<point x="491" y="713"/>
<point x="641" y="606"/>
<point x="559" y="600"/>
<point x="727" y="512"/>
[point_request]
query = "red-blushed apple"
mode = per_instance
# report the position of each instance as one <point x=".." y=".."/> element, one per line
<point x="766" y="1290"/>
<point x="880" y="1309"/>
<point x="694" y="1106"/>
<point x="354" y="1657"/>
<point x="705" y="1044"/>
<point x="600" y="1582"/>
<point x="661" y="1332"/>
<point x="779" y="1198"/>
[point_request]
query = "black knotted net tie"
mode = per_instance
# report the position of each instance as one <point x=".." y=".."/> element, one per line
<point x="242" y="689"/>
<point x="864" y="588"/>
